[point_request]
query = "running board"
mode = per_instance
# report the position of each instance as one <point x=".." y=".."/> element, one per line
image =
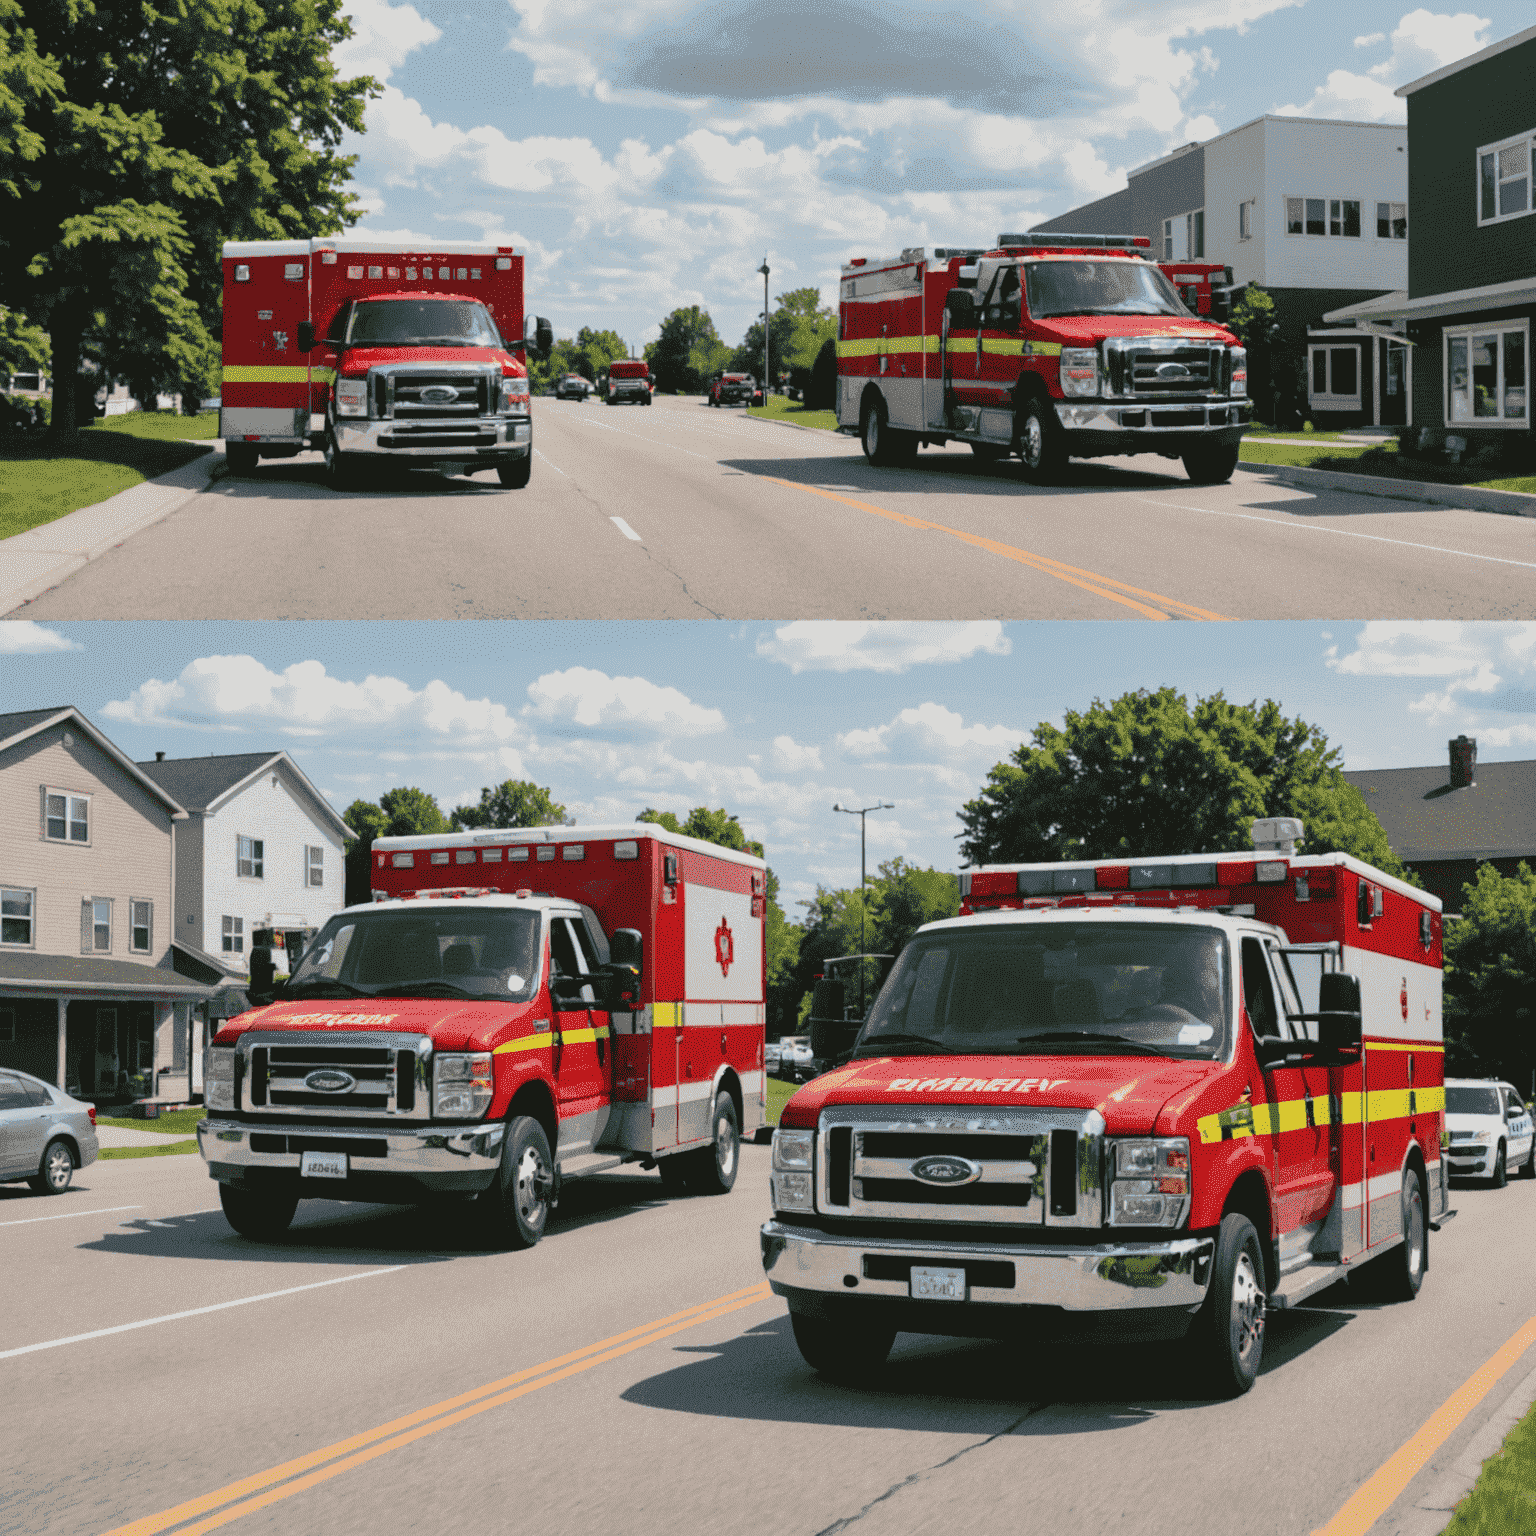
<point x="1435" y="1226"/>
<point x="583" y="1163"/>
<point x="1304" y="1282"/>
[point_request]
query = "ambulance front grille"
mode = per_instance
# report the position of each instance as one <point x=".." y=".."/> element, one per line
<point x="1027" y="1167"/>
<point x="1164" y="367"/>
<point x="423" y="394"/>
<point x="335" y="1075"/>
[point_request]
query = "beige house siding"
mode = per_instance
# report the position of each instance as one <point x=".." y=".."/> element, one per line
<point x="127" y="858"/>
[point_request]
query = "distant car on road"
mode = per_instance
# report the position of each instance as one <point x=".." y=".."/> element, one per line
<point x="731" y="389"/>
<point x="573" y="387"/>
<point x="1491" y="1130"/>
<point x="44" y="1133"/>
<point x="795" y="1060"/>
<point x="629" y="382"/>
<point x="771" y="1058"/>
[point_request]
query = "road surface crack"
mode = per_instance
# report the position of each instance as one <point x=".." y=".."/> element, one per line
<point x="925" y="1473"/>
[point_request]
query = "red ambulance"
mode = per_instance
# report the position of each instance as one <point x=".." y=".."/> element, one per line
<point x="1138" y="1099"/>
<point x="514" y="1009"/>
<point x="374" y="354"/>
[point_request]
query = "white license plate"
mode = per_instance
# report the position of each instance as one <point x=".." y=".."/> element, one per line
<point x="323" y="1165"/>
<point x="937" y="1284"/>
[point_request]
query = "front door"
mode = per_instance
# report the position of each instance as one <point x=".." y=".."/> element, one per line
<point x="583" y="1059"/>
<point x="1394" y="385"/>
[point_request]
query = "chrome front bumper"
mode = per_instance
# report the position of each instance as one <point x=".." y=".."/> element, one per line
<point x="1151" y="418"/>
<point x="1103" y="1278"/>
<point x="500" y="438"/>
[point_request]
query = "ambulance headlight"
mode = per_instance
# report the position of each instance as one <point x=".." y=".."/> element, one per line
<point x="1079" y="371"/>
<point x="1149" y="1181"/>
<point x="351" y="397"/>
<point x="515" y="396"/>
<point x="461" y="1085"/>
<point x="793" y="1181"/>
<point x="219" y="1077"/>
<point x="1239" y="385"/>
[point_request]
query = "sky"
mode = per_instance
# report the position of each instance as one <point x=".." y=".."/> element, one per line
<point x="648" y="156"/>
<point x="776" y="722"/>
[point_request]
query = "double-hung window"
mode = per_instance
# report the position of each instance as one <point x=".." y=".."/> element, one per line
<point x="314" y="865"/>
<point x="1485" y="375"/>
<point x="66" y="817"/>
<point x="234" y="935"/>
<point x="96" y="925"/>
<point x="249" y="857"/>
<point x="141" y="926"/>
<point x="1504" y="179"/>
<point x="17" y="916"/>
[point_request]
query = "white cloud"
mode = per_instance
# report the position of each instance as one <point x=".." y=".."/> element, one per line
<point x="929" y="732"/>
<point x="1369" y="39"/>
<point x="790" y="757"/>
<point x="831" y="645"/>
<point x="26" y="637"/>
<point x="585" y="698"/>
<point x="383" y="36"/>
<point x="1483" y="667"/>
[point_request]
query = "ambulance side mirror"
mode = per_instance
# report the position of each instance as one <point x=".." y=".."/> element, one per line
<point x="538" y="335"/>
<point x="626" y="959"/>
<point x="263" y="984"/>
<point x="832" y="1035"/>
<point x="961" y="306"/>
<point x="306" y="335"/>
<point x="1339" y="1021"/>
<point x="1221" y="303"/>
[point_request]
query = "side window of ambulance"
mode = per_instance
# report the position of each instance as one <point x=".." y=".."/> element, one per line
<point x="339" y="320"/>
<point x="566" y="951"/>
<point x="1258" y="991"/>
<point x="596" y="941"/>
<point x="1285" y="986"/>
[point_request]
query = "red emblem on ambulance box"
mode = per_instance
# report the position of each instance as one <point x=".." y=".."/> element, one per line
<point x="724" y="950"/>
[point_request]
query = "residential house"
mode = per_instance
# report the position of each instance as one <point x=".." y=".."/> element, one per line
<point x="258" y="860"/>
<point x="1316" y="212"/>
<point x="1444" y="822"/>
<point x="1470" y="293"/>
<point x="90" y="997"/>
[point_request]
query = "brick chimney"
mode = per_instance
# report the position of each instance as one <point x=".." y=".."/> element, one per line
<point x="1463" y="762"/>
<point x="159" y="757"/>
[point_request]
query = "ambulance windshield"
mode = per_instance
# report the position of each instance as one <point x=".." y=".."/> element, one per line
<point x="421" y="323"/>
<point x="1098" y="988"/>
<point x="428" y="949"/>
<point x="1090" y="287"/>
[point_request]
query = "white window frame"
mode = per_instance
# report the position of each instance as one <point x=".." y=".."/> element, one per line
<point x="30" y="892"/>
<point x="1186" y="222"/>
<point x="1328" y="400"/>
<point x="96" y="903"/>
<point x="1466" y="333"/>
<point x="232" y="935"/>
<point x="1389" y="204"/>
<point x="1528" y="139"/>
<point x="255" y="858"/>
<point x="71" y="800"/>
<point x="134" y="903"/>
<point x="1245" y="211"/>
<point x="1329" y="202"/>
<point x="314" y="864"/>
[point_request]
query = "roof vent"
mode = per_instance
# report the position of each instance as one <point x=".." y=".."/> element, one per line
<point x="1463" y="762"/>
<point x="1277" y="834"/>
<point x="159" y="757"/>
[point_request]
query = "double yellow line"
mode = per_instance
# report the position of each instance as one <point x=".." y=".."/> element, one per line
<point x="211" y="1510"/>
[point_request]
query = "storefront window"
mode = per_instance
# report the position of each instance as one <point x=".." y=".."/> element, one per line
<point x="1485" y="376"/>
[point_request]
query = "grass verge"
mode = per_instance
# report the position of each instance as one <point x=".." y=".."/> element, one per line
<point x="170" y="1149"/>
<point x="782" y="408"/>
<point x="182" y="1122"/>
<point x="39" y="483"/>
<point x="779" y="1093"/>
<point x="1503" y="1500"/>
<point x="1385" y="463"/>
<point x="1255" y="430"/>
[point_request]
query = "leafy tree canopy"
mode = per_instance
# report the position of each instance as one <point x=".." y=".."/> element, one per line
<point x="671" y="355"/>
<point x="512" y="803"/>
<point x="23" y="346"/>
<point x="1490" y="978"/>
<point x="411" y="812"/>
<point x="1146" y="774"/>
<point x="1254" y="321"/>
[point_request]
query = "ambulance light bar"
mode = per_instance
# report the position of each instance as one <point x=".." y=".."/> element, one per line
<point x="448" y="892"/>
<point x="1066" y="880"/>
<point x="1102" y="242"/>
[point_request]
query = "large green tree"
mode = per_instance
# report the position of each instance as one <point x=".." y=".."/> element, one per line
<point x="134" y="139"/>
<point x="671" y="355"/>
<point x="512" y="803"/>
<point x="1490" y="978"/>
<point x="1146" y="774"/>
<point x="402" y="812"/>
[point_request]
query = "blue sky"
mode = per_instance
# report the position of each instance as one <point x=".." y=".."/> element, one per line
<point x="775" y="722"/>
<point x="648" y="155"/>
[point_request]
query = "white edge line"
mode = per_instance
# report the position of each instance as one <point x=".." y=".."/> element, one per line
<point x="171" y="1317"/>
<point x="67" y="1215"/>
<point x="554" y="467"/>
<point x="625" y="529"/>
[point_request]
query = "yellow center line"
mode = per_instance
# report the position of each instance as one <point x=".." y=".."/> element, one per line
<point x="1121" y="592"/>
<point x="1376" y="1496"/>
<point x="304" y="1472"/>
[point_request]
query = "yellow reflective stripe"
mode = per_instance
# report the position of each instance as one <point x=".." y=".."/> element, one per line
<point x="323" y="375"/>
<point x="240" y="374"/>
<point x="873" y="346"/>
<point x="1291" y="1114"/>
<point x="526" y="1043"/>
<point x="580" y="1036"/>
<point x="1374" y="1045"/>
<point x="666" y="1015"/>
<point x="1006" y="347"/>
<point x="869" y="348"/>
<point x="1431" y="1100"/>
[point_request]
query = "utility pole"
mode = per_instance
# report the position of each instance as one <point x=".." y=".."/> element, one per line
<point x="764" y="270"/>
<point x="861" y="813"/>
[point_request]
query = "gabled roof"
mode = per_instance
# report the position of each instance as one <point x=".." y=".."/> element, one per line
<point x="1425" y="819"/>
<point x="96" y="975"/>
<point x="1460" y="64"/>
<point x="20" y="725"/>
<point x="206" y="783"/>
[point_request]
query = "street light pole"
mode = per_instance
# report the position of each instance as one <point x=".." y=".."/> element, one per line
<point x="861" y="813"/>
<point x="764" y="270"/>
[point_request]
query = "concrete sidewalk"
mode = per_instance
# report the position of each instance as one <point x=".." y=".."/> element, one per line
<point x="121" y="1136"/>
<point x="34" y="561"/>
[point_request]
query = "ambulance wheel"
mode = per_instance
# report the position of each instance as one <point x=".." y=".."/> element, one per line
<point x="516" y="474"/>
<point x="1040" y="446"/>
<point x="844" y="1351"/>
<point x="514" y="1211"/>
<point x="1403" y="1268"/>
<point x="338" y="465"/>
<point x="1212" y="465"/>
<point x="262" y="1216"/>
<point x="875" y="433"/>
<point x="1500" y="1175"/>
<point x="714" y="1168"/>
<point x="241" y="458"/>
<point x="1228" y="1335"/>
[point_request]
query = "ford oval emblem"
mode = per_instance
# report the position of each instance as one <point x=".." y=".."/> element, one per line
<point x="328" y="1080"/>
<point x="439" y="394"/>
<point x="1172" y="371"/>
<point x="946" y="1170"/>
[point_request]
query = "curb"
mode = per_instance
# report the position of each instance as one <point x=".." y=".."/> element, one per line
<point x="1464" y="497"/>
<point x="33" y="562"/>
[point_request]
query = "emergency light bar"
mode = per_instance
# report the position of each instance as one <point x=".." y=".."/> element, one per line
<point x="1104" y="242"/>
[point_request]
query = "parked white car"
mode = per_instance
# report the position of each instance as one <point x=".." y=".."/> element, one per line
<point x="1491" y="1130"/>
<point x="771" y="1058"/>
<point x="795" y="1060"/>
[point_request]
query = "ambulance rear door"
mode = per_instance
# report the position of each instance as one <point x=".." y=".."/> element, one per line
<point x="264" y="396"/>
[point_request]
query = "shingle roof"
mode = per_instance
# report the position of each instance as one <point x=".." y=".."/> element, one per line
<point x="21" y="720"/>
<point x="1426" y="819"/>
<point x="66" y="973"/>
<point x="196" y="782"/>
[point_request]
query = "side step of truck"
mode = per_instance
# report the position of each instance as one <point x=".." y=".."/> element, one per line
<point x="1304" y="1282"/>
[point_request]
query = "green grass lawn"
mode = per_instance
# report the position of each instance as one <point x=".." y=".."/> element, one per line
<point x="181" y="1122"/>
<point x="782" y="408"/>
<point x="170" y="1149"/>
<point x="1259" y="430"/>
<point x="39" y="483"/>
<point x="1503" y="1501"/>
<point x="779" y="1093"/>
<point x="1384" y="461"/>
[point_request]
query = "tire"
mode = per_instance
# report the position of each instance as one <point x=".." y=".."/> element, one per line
<point x="1210" y="466"/>
<point x="846" y="1351"/>
<point x="56" y="1169"/>
<point x="715" y="1167"/>
<point x="516" y="474"/>
<point x="1403" y="1268"/>
<point x="241" y="458"/>
<point x="262" y="1217"/>
<point x="874" y="433"/>
<point x="339" y="473"/>
<point x="1228" y="1335"/>
<point x="514" y="1211"/>
<point x="1040" y="445"/>
<point x="1500" y="1175"/>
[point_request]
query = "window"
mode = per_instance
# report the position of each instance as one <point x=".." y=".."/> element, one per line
<point x="96" y="925"/>
<point x="1344" y="217"/>
<point x="1334" y="216"/>
<point x="67" y="817"/>
<point x="1485" y="379"/>
<point x="1335" y="377"/>
<point x="16" y="913"/>
<point x="1184" y="236"/>
<point x="248" y="857"/>
<point x="234" y="935"/>
<point x="1194" y="234"/>
<point x="1504" y="179"/>
<point x="314" y="863"/>
<point x="141" y="924"/>
<point x="1391" y="221"/>
<point x="1245" y="220"/>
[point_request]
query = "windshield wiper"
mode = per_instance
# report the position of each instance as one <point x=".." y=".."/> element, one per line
<point x="873" y="1045"/>
<point x="324" y="987"/>
<point x="425" y="989"/>
<point x="1093" y="1038"/>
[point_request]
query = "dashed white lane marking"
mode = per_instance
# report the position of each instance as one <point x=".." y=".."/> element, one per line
<point x="1343" y="533"/>
<point x="602" y="426"/>
<point x="554" y="467"/>
<point x="172" y="1317"/>
<point x="625" y="529"/>
<point x="66" y="1215"/>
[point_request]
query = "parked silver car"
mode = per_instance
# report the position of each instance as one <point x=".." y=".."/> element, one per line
<point x="795" y="1060"/>
<point x="44" y="1133"/>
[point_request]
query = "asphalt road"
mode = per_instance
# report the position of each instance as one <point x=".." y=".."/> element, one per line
<point x="679" y="511"/>
<point x="629" y="1374"/>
